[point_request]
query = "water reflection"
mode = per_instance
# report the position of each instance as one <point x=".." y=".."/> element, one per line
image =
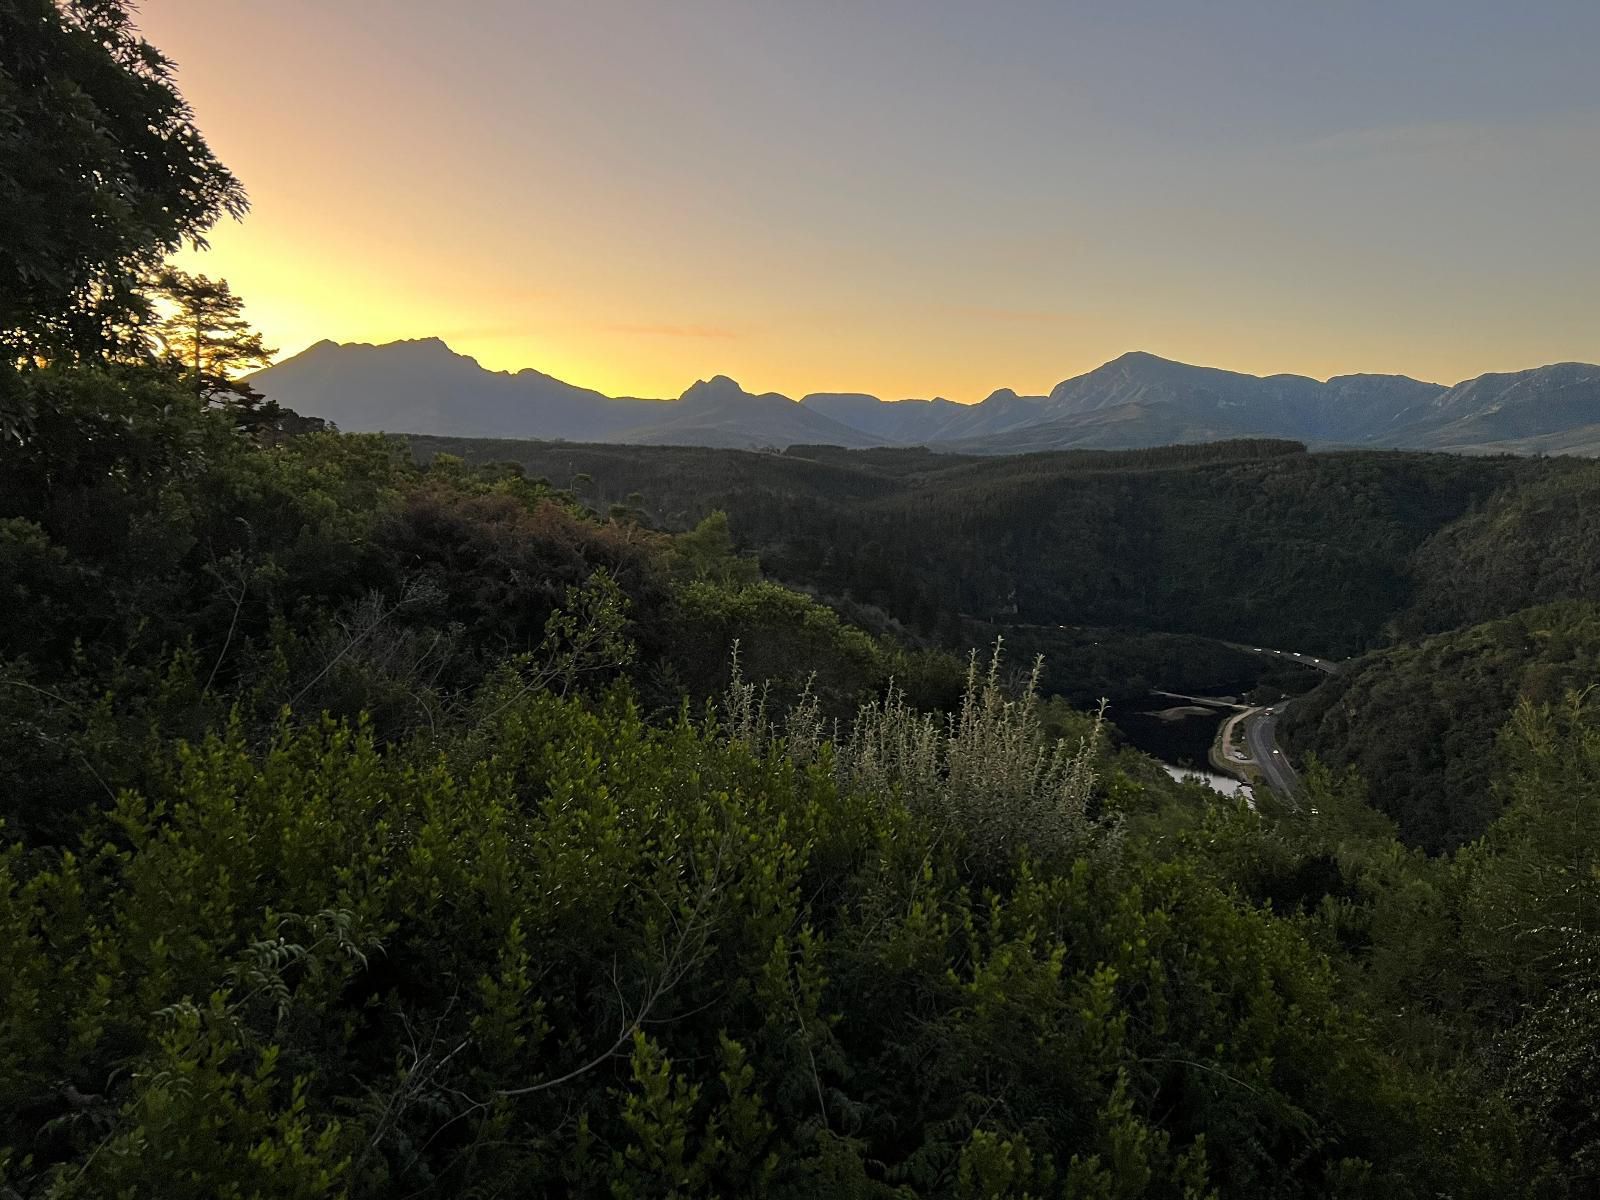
<point x="1225" y="784"/>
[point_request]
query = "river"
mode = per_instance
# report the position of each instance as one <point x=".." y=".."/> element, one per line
<point x="1226" y="784"/>
<point x="1180" y="739"/>
<point x="1183" y="737"/>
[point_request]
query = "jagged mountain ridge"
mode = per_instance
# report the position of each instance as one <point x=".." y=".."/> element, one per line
<point x="1138" y="399"/>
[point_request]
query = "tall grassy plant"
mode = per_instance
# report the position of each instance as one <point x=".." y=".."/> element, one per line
<point x="987" y="773"/>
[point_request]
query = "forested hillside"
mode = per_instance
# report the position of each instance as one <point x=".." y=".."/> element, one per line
<point x="1502" y="609"/>
<point x="1528" y="545"/>
<point x="1420" y="721"/>
<point x="1248" y="541"/>
<point x="379" y="824"/>
<point x="1121" y="565"/>
<point x="359" y="842"/>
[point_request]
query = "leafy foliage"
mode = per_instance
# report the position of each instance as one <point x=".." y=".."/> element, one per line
<point x="717" y="964"/>
<point x="364" y="837"/>
<point x="102" y="175"/>
<point x="506" y="927"/>
<point x="1418" y="721"/>
<point x="1526" y="546"/>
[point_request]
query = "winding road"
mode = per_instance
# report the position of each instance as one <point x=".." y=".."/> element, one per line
<point x="1260" y="727"/>
<point x="1260" y="738"/>
<point x="1326" y="665"/>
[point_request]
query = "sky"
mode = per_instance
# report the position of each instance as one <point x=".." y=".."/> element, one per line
<point x="908" y="197"/>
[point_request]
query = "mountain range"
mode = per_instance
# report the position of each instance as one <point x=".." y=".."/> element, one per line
<point x="1139" y="399"/>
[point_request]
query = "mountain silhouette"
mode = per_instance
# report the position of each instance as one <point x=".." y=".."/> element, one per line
<point x="1137" y="399"/>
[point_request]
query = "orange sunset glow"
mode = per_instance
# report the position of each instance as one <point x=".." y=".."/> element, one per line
<point x="915" y="201"/>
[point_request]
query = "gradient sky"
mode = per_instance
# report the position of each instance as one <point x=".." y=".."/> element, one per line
<point x="909" y="197"/>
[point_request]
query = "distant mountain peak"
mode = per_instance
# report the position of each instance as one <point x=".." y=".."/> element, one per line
<point x="433" y="348"/>
<point x="717" y="388"/>
<point x="1008" y="396"/>
<point x="1376" y="376"/>
<point x="422" y="385"/>
<point x="413" y="347"/>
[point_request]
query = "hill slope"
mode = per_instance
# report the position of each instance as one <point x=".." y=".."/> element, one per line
<point x="1254" y="541"/>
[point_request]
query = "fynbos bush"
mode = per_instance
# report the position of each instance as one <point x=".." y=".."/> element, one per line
<point x="986" y="773"/>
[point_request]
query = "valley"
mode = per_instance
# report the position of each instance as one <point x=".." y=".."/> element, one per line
<point x="1146" y="781"/>
<point x="1182" y="569"/>
<point x="455" y="697"/>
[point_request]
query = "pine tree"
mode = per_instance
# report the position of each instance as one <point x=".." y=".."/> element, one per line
<point x="207" y="336"/>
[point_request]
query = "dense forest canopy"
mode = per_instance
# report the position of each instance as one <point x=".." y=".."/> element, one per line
<point x="1246" y="541"/>
<point x="549" y="820"/>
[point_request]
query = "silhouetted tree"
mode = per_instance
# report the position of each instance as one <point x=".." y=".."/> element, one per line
<point x="102" y="175"/>
<point x="206" y="332"/>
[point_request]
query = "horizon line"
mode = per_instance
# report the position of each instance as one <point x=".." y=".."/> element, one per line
<point x="513" y="373"/>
